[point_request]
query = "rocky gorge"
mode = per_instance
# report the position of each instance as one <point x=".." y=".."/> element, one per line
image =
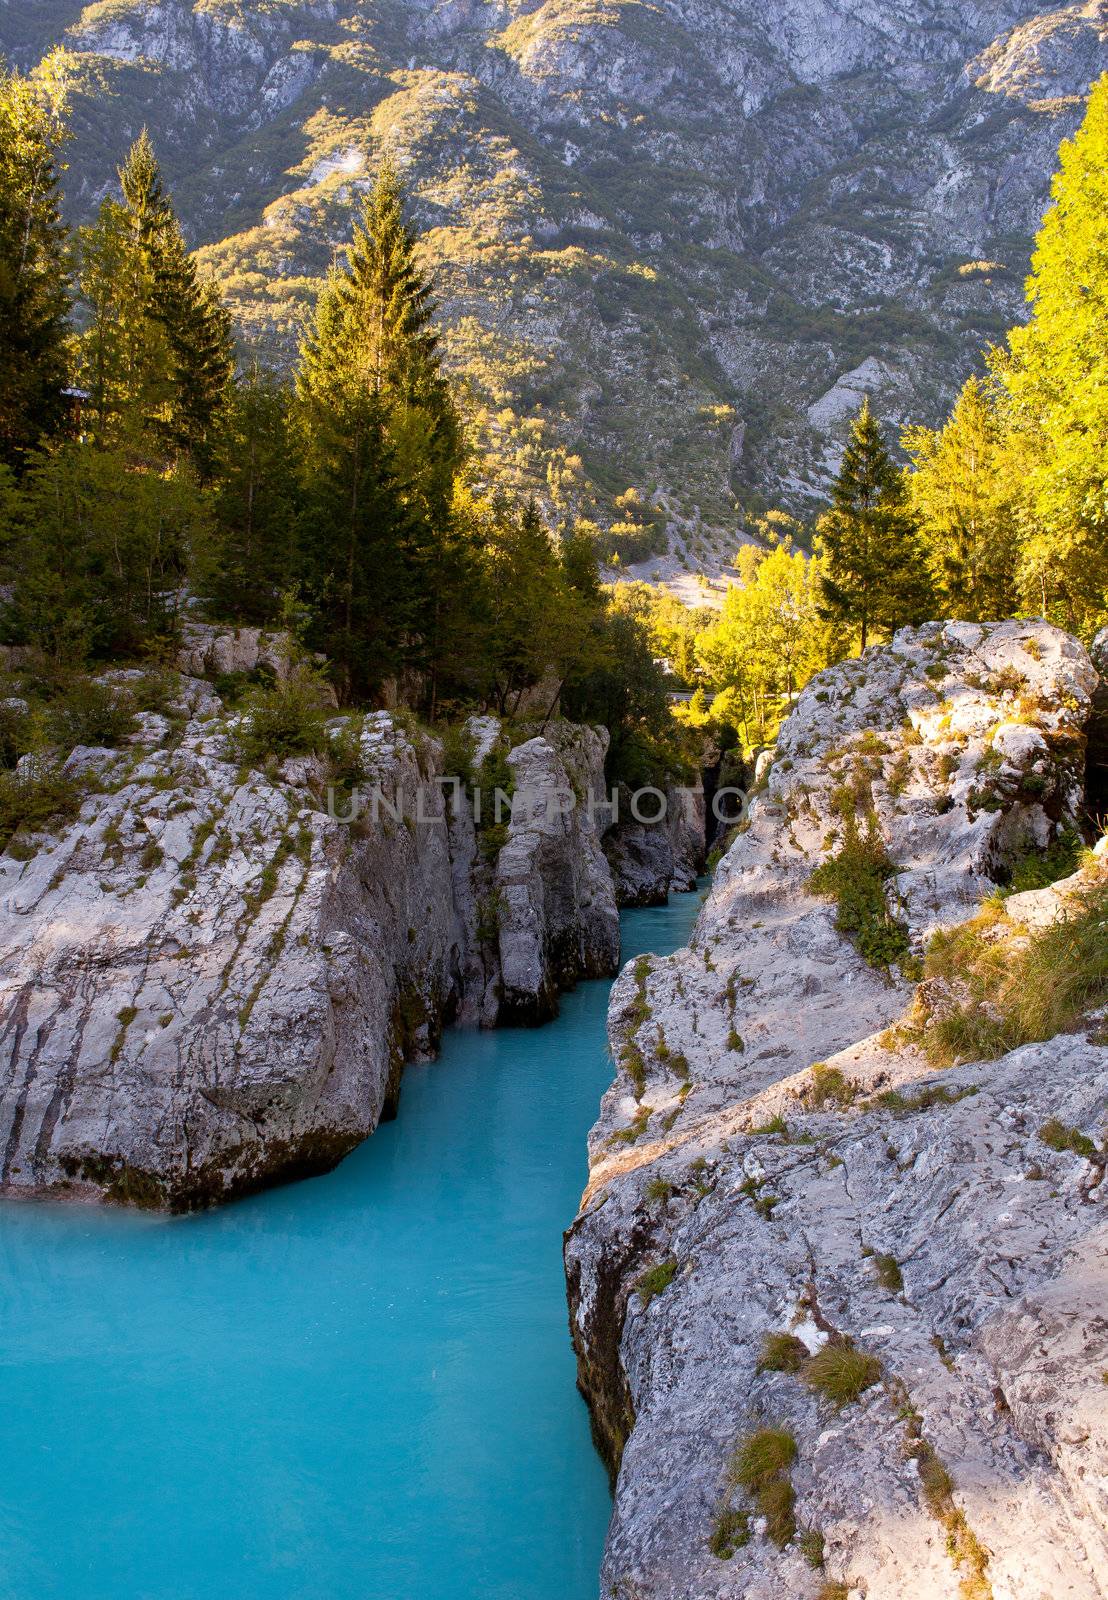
<point x="213" y="976"/>
<point x="837" y="1284"/>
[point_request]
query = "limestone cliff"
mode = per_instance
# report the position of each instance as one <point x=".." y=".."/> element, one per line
<point x="840" y="1315"/>
<point x="208" y="982"/>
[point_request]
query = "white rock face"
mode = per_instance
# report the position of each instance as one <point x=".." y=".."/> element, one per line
<point x="209" y="650"/>
<point x="992" y="1352"/>
<point x="557" y="913"/>
<point x="207" y="983"/>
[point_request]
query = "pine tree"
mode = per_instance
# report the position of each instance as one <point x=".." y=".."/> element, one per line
<point x="253" y="563"/>
<point x="34" y="267"/>
<point x="374" y="331"/>
<point x="963" y="491"/>
<point x="1055" y="376"/>
<point x="360" y="547"/>
<point x="156" y="354"/>
<point x="874" y="574"/>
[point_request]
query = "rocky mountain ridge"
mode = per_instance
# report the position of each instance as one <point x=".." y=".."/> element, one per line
<point x="674" y="241"/>
<point x="840" y="1316"/>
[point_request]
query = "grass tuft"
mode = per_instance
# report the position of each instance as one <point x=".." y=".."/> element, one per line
<point x="1018" y="987"/>
<point x="731" y="1532"/>
<point x="782" y="1352"/>
<point x="829" y="1087"/>
<point x="889" y="1275"/>
<point x="760" y="1464"/>
<point x="841" y="1372"/>
<point x="655" y="1280"/>
<point x="1056" y="1136"/>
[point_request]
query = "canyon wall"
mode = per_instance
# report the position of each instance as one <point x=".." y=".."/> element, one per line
<point x="839" y="1308"/>
<point x="209" y="983"/>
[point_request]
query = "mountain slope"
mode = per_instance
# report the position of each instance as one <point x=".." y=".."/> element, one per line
<point x="673" y="238"/>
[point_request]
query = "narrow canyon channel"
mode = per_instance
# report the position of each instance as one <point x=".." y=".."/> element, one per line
<point x="355" y="1388"/>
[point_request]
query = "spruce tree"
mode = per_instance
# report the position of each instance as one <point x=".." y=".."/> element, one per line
<point x="252" y="563"/>
<point x="34" y="265"/>
<point x="198" y="331"/>
<point x="157" y="353"/>
<point x="375" y="332"/>
<point x="873" y="573"/>
<point x="360" y="547"/>
<point x="384" y="447"/>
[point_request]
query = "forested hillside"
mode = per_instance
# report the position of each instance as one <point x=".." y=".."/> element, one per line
<point x="674" y="243"/>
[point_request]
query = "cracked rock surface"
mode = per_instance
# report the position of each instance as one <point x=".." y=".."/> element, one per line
<point x="208" y="983"/>
<point x="914" y="1217"/>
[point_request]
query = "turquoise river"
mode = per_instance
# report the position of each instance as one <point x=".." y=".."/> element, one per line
<point x="355" y="1388"/>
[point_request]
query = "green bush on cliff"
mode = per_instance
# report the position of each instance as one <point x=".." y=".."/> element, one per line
<point x="855" y="879"/>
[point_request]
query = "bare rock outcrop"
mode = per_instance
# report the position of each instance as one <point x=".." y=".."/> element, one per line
<point x="779" y="1160"/>
<point x="211" y="979"/>
<point x="663" y="854"/>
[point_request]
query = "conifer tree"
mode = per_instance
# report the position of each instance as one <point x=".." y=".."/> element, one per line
<point x="34" y="266"/>
<point x="157" y="353"/>
<point x="374" y="331"/>
<point x="360" y="548"/>
<point x="963" y="491"/>
<point x="253" y="560"/>
<point x="526" y="614"/>
<point x="1055" y="375"/>
<point x="383" y="451"/>
<point x="874" y="574"/>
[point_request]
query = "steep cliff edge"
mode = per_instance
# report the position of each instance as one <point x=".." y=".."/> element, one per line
<point x="840" y="1314"/>
<point x="208" y="982"/>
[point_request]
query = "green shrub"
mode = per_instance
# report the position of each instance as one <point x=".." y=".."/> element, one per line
<point x="16" y="734"/>
<point x="40" y="798"/>
<point x="855" y="879"/>
<point x="91" y="713"/>
<point x="1038" y="869"/>
<point x="285" y="720"/>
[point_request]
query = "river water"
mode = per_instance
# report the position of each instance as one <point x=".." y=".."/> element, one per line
<point x="356" y="1388"/>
